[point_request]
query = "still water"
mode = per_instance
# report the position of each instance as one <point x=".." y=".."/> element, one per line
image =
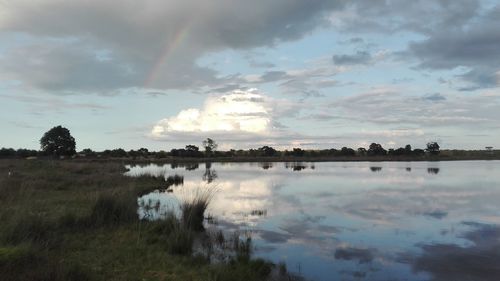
<point x="354" y="220"/>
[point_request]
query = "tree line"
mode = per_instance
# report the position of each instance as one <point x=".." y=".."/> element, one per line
<point x="58" y="142"/>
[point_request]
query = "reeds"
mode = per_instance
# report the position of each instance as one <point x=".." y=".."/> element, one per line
<point x="193" y="207"/>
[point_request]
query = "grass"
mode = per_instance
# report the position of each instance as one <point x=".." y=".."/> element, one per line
<point x="194" y="206"/>
<point x="71" y="220"/>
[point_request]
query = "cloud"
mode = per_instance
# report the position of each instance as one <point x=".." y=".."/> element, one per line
<point x="423" y="16"/>
<point x="473" y="46"/>
<point x="102" y="46"/>
<point x="246" y="112"/>
<point x="308" y="81"/>
<point x="456" y="34"/>
<point x="434" y="97"/>
<point x="391" y="106"/>
<point x="43" y="104"/>
<point x="360" y="57"/>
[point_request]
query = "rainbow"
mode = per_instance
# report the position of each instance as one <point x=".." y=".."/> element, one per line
<point x="178" y="37"/>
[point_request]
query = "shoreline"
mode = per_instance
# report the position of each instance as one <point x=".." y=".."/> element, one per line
<point x="289" y="159"/>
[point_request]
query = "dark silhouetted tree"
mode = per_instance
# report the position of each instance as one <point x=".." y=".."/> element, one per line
<point x="87" y="152"/>
<point x="376" y="149"/>
<point x="345" y="151"/>
<point x="433" y="148"/>
<point x="408" y="149"/>
<point x="267" y="151"/>
<point x="298" y="152"/>
<point x="210" y="146"/>
<point x="58" y="142"/>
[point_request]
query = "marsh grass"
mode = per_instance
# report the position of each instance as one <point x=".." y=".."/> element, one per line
<point x="172" y="235"/>
<point x="110" y="210"/>
<point x="194" y="205"/>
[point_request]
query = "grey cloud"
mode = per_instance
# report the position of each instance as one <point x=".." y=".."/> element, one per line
<point x="389" y="107"/>
<point x="272" y="76"/>
<point x="400" y="15"/>
<point x="436" y="214"/>
<point x="434" y="97"/>
<point x="152" y="44"/>
<point x="259" y="64"/>
<point x="66" y="67"/>
<point x="459" y="33"/>
<point x="42" y="104"/>
<point x="360" y="57"/>
<point x="474" y="47"/>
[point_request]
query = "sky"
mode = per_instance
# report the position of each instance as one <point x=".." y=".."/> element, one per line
<point x="161" y="74"/>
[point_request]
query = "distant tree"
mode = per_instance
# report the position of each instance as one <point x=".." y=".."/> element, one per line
<point x="7" y="152"/>
<point x="267" y="151"/>
<point x="210" y="146"/>
<point x="361" y="151"/>
<point x="192" y="148"/>
<point x="401" y="151"/>
<point x="87" y="152"/>
<point x="408" y="149"/>
<point x="298" y="152"/>
<point x="433" y="148"/>
<point x="144" y="152"/>
<point x="119" y="153"/>
<point x="345" y="151"/>
<point x="161" y="154"/>
<point x="376" y="149"/>
<point x="418" y="152"/>
<point x="58" y="142"/>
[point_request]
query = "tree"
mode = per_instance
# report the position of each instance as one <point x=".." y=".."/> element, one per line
<point x="362" y="151"/>
<point x="58" y="142"/>
<point x="345" y="151"/>
<point x="408" y="149"/>
<point x="376" y="149"/>
<point x="433" y="148"/>
<point x="210" y="146"/>
<point x="267" y="151"/>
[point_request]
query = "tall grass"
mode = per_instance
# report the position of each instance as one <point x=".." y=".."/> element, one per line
<point x="112" y="210"/>
<point x="194" y="206"/>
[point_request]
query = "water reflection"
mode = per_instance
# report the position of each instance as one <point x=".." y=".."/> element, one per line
<point x="479" y="261"/>
<point x="210" y="174"/>
<point x="341" y="222"/>
<point x="433" y="171"/>
<point x="186" y="166"/>
<point x="299" y="166"/>
<point x="266" y="165"/>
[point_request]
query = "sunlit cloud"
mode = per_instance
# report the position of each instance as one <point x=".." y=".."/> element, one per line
<point x="236" y="112"/>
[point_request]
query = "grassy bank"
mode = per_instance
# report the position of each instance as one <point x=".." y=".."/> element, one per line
<point x="69" y="220"/>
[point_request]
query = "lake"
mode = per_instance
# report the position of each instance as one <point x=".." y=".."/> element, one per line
<point x="353" y="220"/>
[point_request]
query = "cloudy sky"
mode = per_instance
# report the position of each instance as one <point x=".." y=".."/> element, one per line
<point x="288" y="73"/>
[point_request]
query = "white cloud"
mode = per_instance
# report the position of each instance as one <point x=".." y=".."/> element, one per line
<point x="236" y="112"/>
